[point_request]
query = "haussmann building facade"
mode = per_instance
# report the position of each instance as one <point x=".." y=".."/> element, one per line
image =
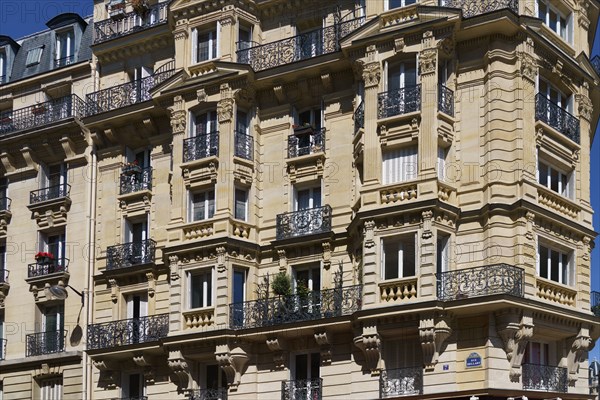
<point x="267" y="199"/>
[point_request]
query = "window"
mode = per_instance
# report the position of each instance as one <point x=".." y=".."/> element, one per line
<point x="401" y="74"/>
<point x="391" y="4"/>
<point x="137" y="305"/>
<point x="238" y="296"/>
<point x="51" y="389"/>
<point x="3" y="189"/>
<point x="241" y="204"/>
<point x="200" y="288"/>
<point x="202" y="205"/>
<point x="311" y="43"/>
<point x="56" y="176"/>
<point x="555" y="179"/>
<point x="212" y="377"/>
<point x="555" y="95"/>
<point x="244" y="37"/>
<point x="536" y="353"/>
<point x="402" y="353"/>
<point x="3" y="68"/>
<point x="307" y="276"/>
<point x="241" y="122"/>
<point x="133" y="386"/>
<point x="398" y="257"/>
<point x="443" y="253"/>
<point x="307" y="198"/>
<point x="312" y="117"/>
<point x="65" y="48"/>
<point x="2" y="261"/>
<point x="555" y="19"/>
<point x="306" y="370"/>
<point x="205" y="123"/>
<point x="205" y="44"/>
<point x="555" y="264"/>
<point x="53" y="325"/>
<point x="34" y="56"/>
<point x="56" y="244"/>
<point x="400" y="165"/>
<point x="441" y="163"/>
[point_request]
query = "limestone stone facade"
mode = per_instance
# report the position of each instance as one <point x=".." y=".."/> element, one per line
<point x="306" y="200"/>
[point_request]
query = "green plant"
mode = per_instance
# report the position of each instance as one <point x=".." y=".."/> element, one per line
<point x="302" y="290"/>
<point x="282" y="284"/>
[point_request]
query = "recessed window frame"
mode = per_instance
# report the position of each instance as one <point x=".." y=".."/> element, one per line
<point x="563" y="19"/>
<point x="206" y="278"/>
<point x="238" y="213"/>
<point x="403" y="257"/>
<point x="34" y="56"/>
<point x="400" y="164"/>
<point x="209" y="208"/>
<point x="209" y="33"/>
<point x="549" y="252"/>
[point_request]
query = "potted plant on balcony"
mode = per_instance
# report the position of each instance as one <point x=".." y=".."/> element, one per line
<point x="116" y="9"/>
<point x="304" y="129"/>
<point x="139" y="6"/>
<point x="38" y="109"/>
<point x="44" y="258"/>
<point x="132" y="168"/>
<point x="282" y="284"/>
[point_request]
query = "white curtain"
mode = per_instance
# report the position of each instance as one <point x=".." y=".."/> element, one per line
<point x="400" y="165"/>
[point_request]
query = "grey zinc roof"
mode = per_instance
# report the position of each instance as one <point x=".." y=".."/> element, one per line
<point x="44" y="39"/>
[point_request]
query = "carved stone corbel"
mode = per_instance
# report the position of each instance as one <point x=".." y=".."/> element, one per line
<point x="587" y="248"/>
<point x="580" y="345"/>
<point x="151" y="283"/>
<point x="201" y="95"/>
<point x="529" y="217"/>
<point x="585" y="107"/>
<point x="109" y="373"/>
<point x="232" y="361"/>
<point x="323" y="339"/>
<point x="277" y="346"/>
<point x="178" y="120"/>
<point x="369" y="234"/>
<point x="515" y="330"/>
<point x="433" y="332"/>
<point x="371" y="74"/>
<point x="529" y="67"/>
<point x="174" y="267"/>
<point x="326" y="255"/>
<point x="370" y="345"/>
<point x="114" y="290"/>
<point x="145" y="362"/>
<point x="221" y="259"/>
<point x="179" y="366"/>
<point x="426" y="217"/>
<point x="399" y="45"/>
<point x="282" y="260"/>
<point x="225" y="110"/>
<point x="427" y="61"/>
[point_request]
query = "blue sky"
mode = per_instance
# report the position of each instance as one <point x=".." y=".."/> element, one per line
<point x="20" y="18"/>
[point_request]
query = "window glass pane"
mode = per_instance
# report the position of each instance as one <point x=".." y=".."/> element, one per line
<point x="554" y="180"/>
<point x="199" y="209"/>
<point x="394" y="4"/>
<point x="543" y="174"/>
<point x="391" y="249"/>
<point x="197" y="291"/>
<point x="240" y="204"/>
<point x="554" y="265"/>
<point x="410" y="74"/>
<point x="242" y="122"/>
<point x="542" y="10"/>
<point x="203" y="46"/>
<point x="553" y="21"/>
<point x="211" y="204"/>
<point x="408" y="257"/>
<point x="543" y="259"/>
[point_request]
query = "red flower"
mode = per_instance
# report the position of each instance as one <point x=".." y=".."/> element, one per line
<point x="44" y="254"/>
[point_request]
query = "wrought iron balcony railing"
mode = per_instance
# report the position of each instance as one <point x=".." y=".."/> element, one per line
<point x="130" y="254"/>
<point x="5" y="203"/>
<point x="359" y="117"/>
<point x="130" y="22"/>
<point x="306" y="141"/>
<point x="201" y="146"/>
<point x="134" y="180"/>
<point x="4" y="275"/>
<point x="446" y="100"/>
<point x="209" y="394"/>
<point x="400" y="382"/>
<point x="50" y="266"/>
<point x="61" y="62"/>
<point x="49" y="193"/>
<point x="481" y="281"/>
<point x="545" y="378"/>
<point x="244" y="145"/>
<point x="304" y="222"/>
<point x="278" y="310"/>
<point x="301" y="47"/>
<point x="3" y="349"/>
<point x="135" y="398"/>
<point x="596" y="64"/>
<point x="126" y="94"/>
<point x="128" y="331"/>
<point x="397" y="102"/>
<point x="472" y="8"/>
<point x="557" y="117"/>
<point x="41" y="114"/>
<point x="595" y="303"/>
<point x="38" y="344"/>
<point x="302" y="389"/>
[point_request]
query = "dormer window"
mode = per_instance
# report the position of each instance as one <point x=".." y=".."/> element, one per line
<point x="559" y="22"/>
<point x="65" y="48"/>
<point x="34" y="56"/>
<point x="3" y="68"/>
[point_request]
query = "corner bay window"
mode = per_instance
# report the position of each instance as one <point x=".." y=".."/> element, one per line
<point x="554" y="264"/>
<point x="559" y="22"/>
<point x="398" y="257"/>
<point x="555" y="179"/>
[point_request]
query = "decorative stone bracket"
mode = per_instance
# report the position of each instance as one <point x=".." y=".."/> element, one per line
<point x="433" y="332"/>
<point x="579" y="347"/>
<point x="232" y="361"/>
<point x="179" y="366"/>
<point x="109" y="372"/>
<point x="277" y="346"/>
<point x="370" y="345"/>
<point x="515" y="330"/>
<point x="323" y="339"/>
<point x="146" y="363"/>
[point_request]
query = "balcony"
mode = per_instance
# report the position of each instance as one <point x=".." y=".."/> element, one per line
<point x="305" y="141"/>
<point x="5" y="204"/>
<point x="201" y="146"/>
<point x="328" y="303"/>
<point x="4" y="276"/>
<point x="127" y="332"/>
<point x="595" y="303"/>
<point x="480" y="281"/>
<point x="130" y="254"/>
<point x="446" y="100"/>
<point x="134" y="179"/>
<point x="302" y="389"/>
<point x="47" y="267"/>
<point x="134" y="398"/>
<point x="595" y="63"/>
<point x="397" y="102"/>
<point x="127" y="94"/>
<point x="208" y="394"/>
<point x="39" y="344"/>
<point x="123" y="24"/>
<point x="50" y="193"/>
<point x="556" y="117"/>
<point x="359" y="117"/>
<point x="41" y="114"/>
<point x="243" y="145"/>
<point x="400" y="382"/>
<point x="296" y="48"/>
<point x="472" y="8"/>
<point x="304" y="222"/>
<point x="61" y="62"/>
<point x="544" y="378"/>
<point x="3" y="349"/>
